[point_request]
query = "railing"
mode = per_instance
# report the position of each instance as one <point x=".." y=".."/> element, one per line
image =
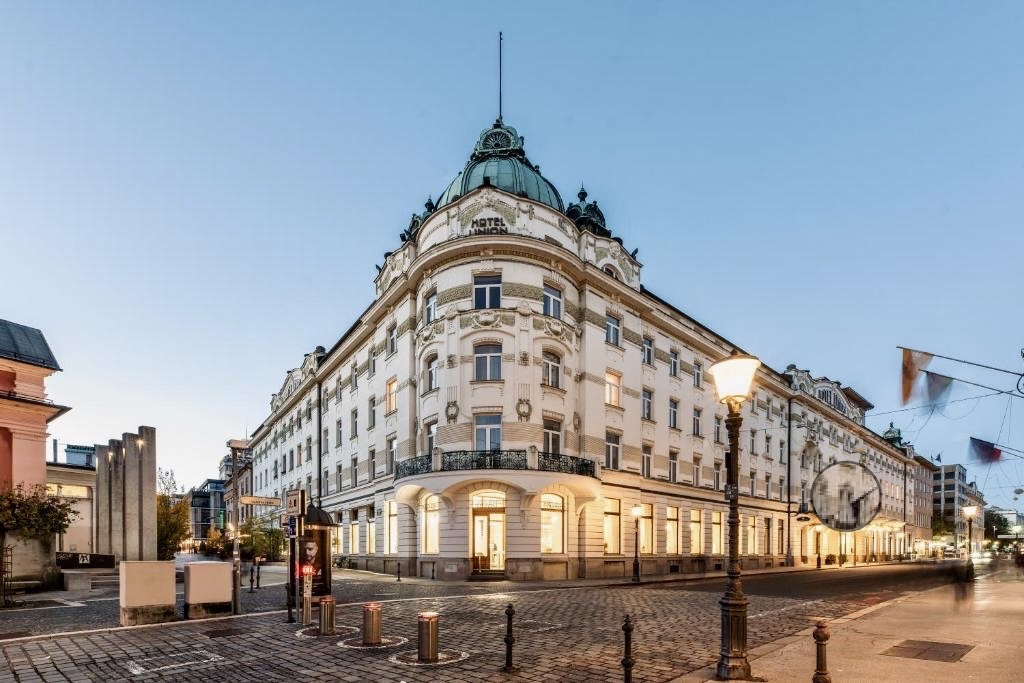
<point x="483" y="460"/>
<point x="566" y="464"/>
<point x="412" y="466"/>
<point x="454" y="461"/>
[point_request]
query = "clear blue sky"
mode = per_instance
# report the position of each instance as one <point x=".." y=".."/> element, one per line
<point x="193" y="195"/>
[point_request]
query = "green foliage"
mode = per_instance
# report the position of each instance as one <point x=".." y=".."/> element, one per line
<point x="995" y="525"/>
<point x="214" y="540"/>
<point x="940" y="527"/>
<point x="173" y="516"/>
<point x="31" y="514"/>
<point x="260" y="540"/>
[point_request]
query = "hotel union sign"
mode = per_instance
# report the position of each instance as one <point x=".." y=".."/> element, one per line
<point x="488" y="226"/>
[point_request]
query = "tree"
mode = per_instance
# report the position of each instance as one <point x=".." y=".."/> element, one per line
<point x="31" y="514"/>
<point x="995" y="525"/>
<point x="214" y="540"/>
<point x="940" y="527"/>
<point x="173" y="516"/>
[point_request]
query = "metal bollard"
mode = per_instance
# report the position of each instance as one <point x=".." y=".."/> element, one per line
<point x="821" y="636"/>
<point x="307" y="610"/>
<point x="371" y="624"/>
<point x="509" y="639"/>
<point x="327" y="616"/>
<point x="427" y="637"/>
<point x="252" y="578"/>
<point x="399" y="571"/>
<point x="257" y="576"/>
<point x="627" y="655"/>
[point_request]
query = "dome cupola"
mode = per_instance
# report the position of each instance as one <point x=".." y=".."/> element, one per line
<point x="499" y="160"/>
<point x="587" y="216"/>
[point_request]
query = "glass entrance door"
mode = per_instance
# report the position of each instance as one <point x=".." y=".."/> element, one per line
<point x="488" y="540"/>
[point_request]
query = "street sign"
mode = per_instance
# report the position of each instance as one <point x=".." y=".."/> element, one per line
<point x="296" y="502"/>
<point x="259" y="500"/>
<point x="291" y="526"/>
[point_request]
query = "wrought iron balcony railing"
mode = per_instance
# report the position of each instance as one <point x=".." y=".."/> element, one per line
<point x="453" y="461"/>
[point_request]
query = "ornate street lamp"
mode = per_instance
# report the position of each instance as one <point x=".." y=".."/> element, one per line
<point x="1016" y="537"/>
<point x="637" y="510"/>
<point x="732" y="378"/>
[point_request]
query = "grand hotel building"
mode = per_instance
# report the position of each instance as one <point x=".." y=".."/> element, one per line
<point x="514" y="401"/>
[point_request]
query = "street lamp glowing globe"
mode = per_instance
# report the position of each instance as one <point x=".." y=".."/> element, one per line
<point x="970" y="511"/>
<point x="733" y="376"/>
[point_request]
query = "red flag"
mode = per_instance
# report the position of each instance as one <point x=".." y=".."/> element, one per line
<point x="984" y="451"/>
<point x="913" y="362"/>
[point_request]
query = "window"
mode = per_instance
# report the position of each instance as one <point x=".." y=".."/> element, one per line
<point x="430" y="307"/>
<point x="612" y="540"/>
<point x="371" y="532"/>
<point x="647" y="351"/>
<point x="353" y="533"/>
<point x="298" y="419"/>
<point x="325" y="446"/>
<point x="673" y="413"/>
<point x="697" y="412"/>
<point x="767" y="485"/>
<point x="782" y="451"/>
<point x="309" y="448"/>
<point x="552" y="436"/>
<point x="325" y="483"/>
<point x="767" y="535"/>
<point x="355" y="376"/>
<point x="430" y="375"/>
<point x="552" y="302"/>
<point x="391" y="396"/>
<point x="718" y="476"/>
<point x="613" y="388"/>
<point x="716" y="533"/>
<point x="611" y="329"/>
<point x="371" y="412"/>
<point x="612" y="447"/>
<point x="487" y="362"/>
<point x="753" y="483"/>
<point x="337" y="426"/>
<point x="767" y="445"/>
<point x="753" y="442"/>
<point x="391" y="515"/>
<point x="671" y="530"/>
<point x="696" y="533"/>
<point x="431" y="524"/>
<point x="487" y="291"/>
<point x="309" y="486"/>
<point x="355" y="470"/>
<point x="673" y="363"/>
<point x="309" y="410"/>
<point x="298" y="450"/>
<point x="337" y="390"/>
<point x="646" y="398"/>
<point x="431" y="437"/>
<point x="371" y="465"/>
<point x="673" y="466"/>
<point x="552" y="523"/>
<point x="698" y="374"/>
<point x="353" y="428"/>
<point x="392" y="454"/>
<point x="645" y="462"/>
<point x="751" y="535"/>
<point x="718" y="429"/>
<point x="781" y="537"/>
<point x="371" y="362"/>
<point x="647" y="529"/>
<point x="696" y="471"/>
<point x="551" y="369"/>
<point x="393" y="339"/>
<point x="488" y="432"/>
<point x="339" y="477"/>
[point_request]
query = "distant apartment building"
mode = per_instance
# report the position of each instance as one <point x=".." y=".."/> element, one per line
<point x="951" y="492"/>
<point x="206" y="503"/>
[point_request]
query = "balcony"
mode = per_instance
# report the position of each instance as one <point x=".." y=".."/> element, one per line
<point x="454" y="461"/>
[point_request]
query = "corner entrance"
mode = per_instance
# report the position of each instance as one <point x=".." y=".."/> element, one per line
<point x="488" y="532"/>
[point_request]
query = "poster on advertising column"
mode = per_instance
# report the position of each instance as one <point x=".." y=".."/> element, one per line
<point x="313" y="553"/>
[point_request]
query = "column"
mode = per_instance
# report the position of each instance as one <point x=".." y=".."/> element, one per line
<point x="147" y="493"/>
<point x="132" y="491"/>
<point x="102" y="500"/>
<point x="116" y="498"/>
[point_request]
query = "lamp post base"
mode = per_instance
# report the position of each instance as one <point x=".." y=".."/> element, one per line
<point x="733" y="664"/>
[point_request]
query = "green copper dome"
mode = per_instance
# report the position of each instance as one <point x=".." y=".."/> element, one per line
<point x="498" y="160"/>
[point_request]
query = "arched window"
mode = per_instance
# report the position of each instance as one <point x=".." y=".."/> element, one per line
<point x="552" y="523"/>
<point x="430" y="374"/>
<point x="431" y="524"/>
<point x="551" y="370"/>
<point x="487" y="362"/>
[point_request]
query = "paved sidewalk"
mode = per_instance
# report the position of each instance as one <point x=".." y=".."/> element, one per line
<point x="988" y="621"/>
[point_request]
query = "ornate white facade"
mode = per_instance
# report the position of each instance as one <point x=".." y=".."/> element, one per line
<point x="513" y="392"/>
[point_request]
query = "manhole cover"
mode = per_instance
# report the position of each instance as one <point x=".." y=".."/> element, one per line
<point x="224" y="632"/>
<point x="138" y="667"/>
<point x="930" y="650"/>
<point x="14" y="634"/>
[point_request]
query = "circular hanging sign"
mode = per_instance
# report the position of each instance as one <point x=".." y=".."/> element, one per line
<point x="846" y="496"/>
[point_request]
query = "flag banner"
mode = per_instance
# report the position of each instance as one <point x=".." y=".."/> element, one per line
<point x="984" y="451"/>
<point x="936" y="386"/>
<point x="913" y="362"/>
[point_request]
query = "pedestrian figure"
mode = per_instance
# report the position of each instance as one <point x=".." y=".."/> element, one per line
<point x="962" y="575"/>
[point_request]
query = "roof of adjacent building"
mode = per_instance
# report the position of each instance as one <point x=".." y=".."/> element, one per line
<point x="25" y="345"/>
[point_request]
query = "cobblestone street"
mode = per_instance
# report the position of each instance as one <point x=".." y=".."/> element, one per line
<point x="565" y="634"/>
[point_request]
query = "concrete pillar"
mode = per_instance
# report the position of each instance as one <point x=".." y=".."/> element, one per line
<point x="102" y="500"/>
<point x="132" y="491"/>
<point x="147" y="493"/>
<point x="116" y="498"/>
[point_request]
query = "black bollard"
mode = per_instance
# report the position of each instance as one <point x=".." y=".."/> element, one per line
<point x="252" y="578"/>
<point x="432" y="570"/>
<point x="257" y="575"/>
<point x="509" y="639"/>
<point x="627" y="658"/>
<point x="821" y="636"/>
<point x="398" y="572"/>
<point x="291" y="602"/>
